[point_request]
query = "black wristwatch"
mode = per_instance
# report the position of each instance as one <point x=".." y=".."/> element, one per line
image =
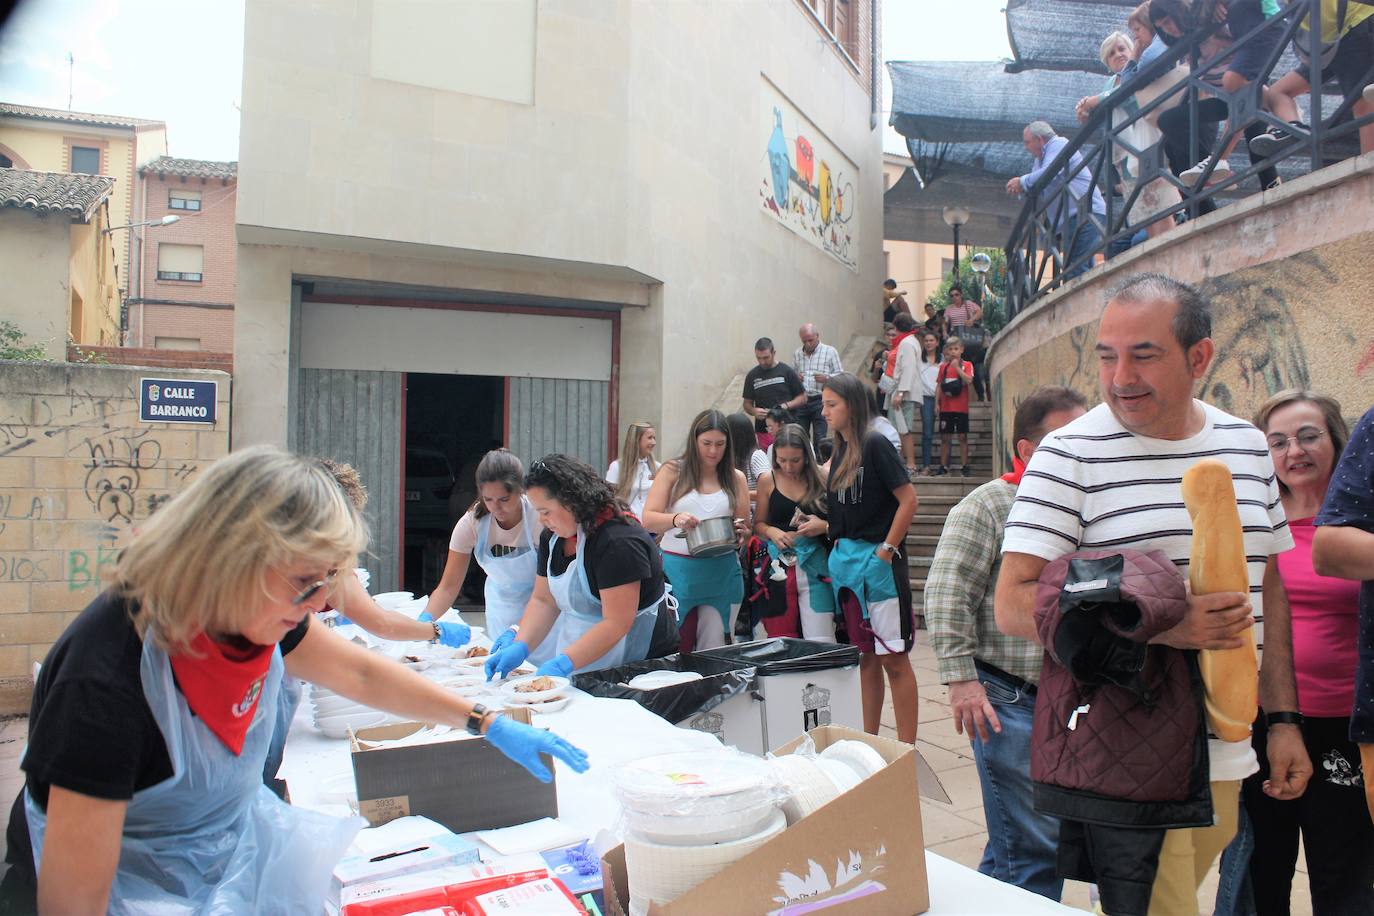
<point x="1283" y="718"/>
<point x="476" y="718"/>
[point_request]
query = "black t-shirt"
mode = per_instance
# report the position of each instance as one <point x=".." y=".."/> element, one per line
<point x="90" y="728"/>
<point x="617" y="553"/>
<point x="771" y="387"/>
<point x="864" y="510"/>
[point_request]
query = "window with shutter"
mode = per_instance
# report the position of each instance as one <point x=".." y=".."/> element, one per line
<point x="180" y="262"/>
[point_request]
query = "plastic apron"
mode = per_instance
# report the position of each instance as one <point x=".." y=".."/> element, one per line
<point x="580" y="610"/>
<point x="714" y="582"/>
<point x="212" y="839"/>
<point x="510" y="581"/>
<point x="812" y="562"/>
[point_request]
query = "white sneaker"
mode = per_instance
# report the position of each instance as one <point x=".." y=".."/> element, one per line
<point x="1220" y="173"/>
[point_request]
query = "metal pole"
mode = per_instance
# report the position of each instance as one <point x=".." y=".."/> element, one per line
<point x="955" y="271"/>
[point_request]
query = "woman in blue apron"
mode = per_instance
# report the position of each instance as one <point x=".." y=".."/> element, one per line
<point x="871" y="502"/>
<point x="154" y="712"/>
<point x="502" y="531"/>
<point x="791" y="518"/>
<point x="703" y="483"/>
<point x="599" y="596"/>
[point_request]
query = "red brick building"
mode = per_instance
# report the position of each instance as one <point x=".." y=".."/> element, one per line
<point x="184" y="297"/>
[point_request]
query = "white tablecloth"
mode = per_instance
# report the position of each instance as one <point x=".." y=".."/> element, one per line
<point x="613" y="732"/>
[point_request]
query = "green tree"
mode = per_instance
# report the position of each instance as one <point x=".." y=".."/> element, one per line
<point x="994" y="304"/>
<point x="13" y="346"/>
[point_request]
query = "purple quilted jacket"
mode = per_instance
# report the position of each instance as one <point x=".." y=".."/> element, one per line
<point x="1119" y="734"/>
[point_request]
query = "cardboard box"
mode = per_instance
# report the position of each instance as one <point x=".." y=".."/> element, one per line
<point x="463" y="783"/>
<point x="863" y="853"/>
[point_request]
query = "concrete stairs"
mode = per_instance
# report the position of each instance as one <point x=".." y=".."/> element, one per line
<point x="937" y="495"/>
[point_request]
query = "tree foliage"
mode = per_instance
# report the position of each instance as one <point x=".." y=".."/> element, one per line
<point x="994" y="308"/>
<point x="13" y="345"/>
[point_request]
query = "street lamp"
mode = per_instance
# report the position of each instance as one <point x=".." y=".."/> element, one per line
<point x="165" y="221"/>
<point x="980" y="263"/>
<point x="954" y="218"/>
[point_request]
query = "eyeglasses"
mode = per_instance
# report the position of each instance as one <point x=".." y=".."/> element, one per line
<point x="309" y="591"/>
<point x="1305" y="439"/>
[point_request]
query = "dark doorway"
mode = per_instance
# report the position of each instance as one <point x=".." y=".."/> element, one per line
<point x="451" y="422"/>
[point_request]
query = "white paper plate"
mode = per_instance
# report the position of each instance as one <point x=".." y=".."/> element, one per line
<point x="392" y="600"/>
<point x="512" y="689"/>
<point x="840" y="773"/>
<point x="860" y="758"/>
<point x="657" y="680"/>
<point x="545" y="706"/>
<point x="338" y="726"/>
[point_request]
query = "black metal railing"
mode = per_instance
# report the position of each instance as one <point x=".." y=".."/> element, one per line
<point x="1039" y="250"/>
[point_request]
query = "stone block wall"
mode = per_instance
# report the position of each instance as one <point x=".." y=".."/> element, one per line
<point x="78" y="473"/>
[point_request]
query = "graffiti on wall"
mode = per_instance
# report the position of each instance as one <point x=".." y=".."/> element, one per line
<point x="1299" y="322"/>
<point x="808" y="185"/>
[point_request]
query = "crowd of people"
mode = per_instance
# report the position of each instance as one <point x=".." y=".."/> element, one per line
<point x="1256" y="30"/>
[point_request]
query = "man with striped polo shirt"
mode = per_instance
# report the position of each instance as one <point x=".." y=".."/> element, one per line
<point x="1112" y="479"/>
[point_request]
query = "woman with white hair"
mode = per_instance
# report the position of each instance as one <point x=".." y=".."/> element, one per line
<point x="155" y="711"/>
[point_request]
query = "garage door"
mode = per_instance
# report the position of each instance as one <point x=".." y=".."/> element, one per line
<point x="559" y="415"/>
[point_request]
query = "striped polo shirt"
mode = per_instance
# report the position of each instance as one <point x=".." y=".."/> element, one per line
<point x="1094" y="485"/>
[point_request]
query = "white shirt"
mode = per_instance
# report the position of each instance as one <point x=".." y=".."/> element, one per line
<point x="883" y="425"/>
<point x="930" y="377"/>
<point x="824" y="360"/>
<point x="639" y="490"/>
<point x="1094" y="485"/>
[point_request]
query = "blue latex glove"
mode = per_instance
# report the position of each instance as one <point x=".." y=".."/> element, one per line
<point x="424" y="617"/>
<point x="454" y="635"/>
<point x="524" y="744"/>
<point x="558" y="666"/>
<point x="507" y="660"/>
<point x="505" y="639"/>
<point x="341" y="621"/>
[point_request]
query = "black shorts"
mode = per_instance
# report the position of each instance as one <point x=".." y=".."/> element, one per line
<point x="1351" y="65"/>
<point x="953" y="422"/>
<point x="1249" y="60"/>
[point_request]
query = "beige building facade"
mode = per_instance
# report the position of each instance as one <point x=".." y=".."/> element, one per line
<point x="61" y="281"/>
<point x="572" y="214"/>
<point x="74" y="142"/>
<point x="918" y="267"/>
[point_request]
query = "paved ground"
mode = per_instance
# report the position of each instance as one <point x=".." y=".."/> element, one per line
<point x="956" y="831"/>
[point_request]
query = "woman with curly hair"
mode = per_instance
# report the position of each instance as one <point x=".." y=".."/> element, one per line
<point x="599" y="579"/>
<point x="701" y="483"/>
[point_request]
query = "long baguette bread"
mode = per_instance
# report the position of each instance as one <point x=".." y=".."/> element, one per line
<point x="1217" y="564"/>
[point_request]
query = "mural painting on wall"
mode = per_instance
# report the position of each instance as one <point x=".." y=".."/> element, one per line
<point x="808" y="184"/>
<point x="1286" y="324"/>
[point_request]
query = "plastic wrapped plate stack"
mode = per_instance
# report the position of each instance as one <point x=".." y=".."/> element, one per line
<point x="814" y="780"/>
<point x="689" y="815"/>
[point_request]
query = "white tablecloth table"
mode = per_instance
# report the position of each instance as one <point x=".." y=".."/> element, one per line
<point x="614" y="732"/>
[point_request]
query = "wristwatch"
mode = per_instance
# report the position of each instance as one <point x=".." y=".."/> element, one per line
<point x="889" y="548"/>
<point x="1283" y="718"/>
<point x="476" y="718"/>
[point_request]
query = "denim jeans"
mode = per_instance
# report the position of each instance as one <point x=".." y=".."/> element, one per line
<point x="1235" y="895"/>
<point x="1022" y="844"/>
<point x="927" y="429"/>
<point x="1082" y="239"/>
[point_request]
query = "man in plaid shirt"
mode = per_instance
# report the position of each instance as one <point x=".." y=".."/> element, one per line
<point x="991" y="676"/>
<point x="816" y="363"/>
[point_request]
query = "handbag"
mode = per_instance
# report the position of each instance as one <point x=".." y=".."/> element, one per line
<point x="886" y="383"/>
<point x="951" y="387"/>
<point x="975" y="339"/>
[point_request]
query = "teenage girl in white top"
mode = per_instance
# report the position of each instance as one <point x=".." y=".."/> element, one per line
<point x="638" y="449"/>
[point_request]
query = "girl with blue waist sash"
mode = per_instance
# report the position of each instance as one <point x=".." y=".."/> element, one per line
<point x="702" y="483"/>
<point x="871" y="502"/>
<point x="792" y="491"/>
<point x="501" y="531"/>
<point x="599" y="591"/>
<point x="156" y="709"/>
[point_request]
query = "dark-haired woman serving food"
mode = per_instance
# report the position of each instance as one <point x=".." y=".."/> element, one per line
<point x="599" y="579"/>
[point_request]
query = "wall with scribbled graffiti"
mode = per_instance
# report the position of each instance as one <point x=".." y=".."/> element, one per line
<point x="78" y="472"/>
<point x="1305" y="321"/>
<point x="808" y="185"/>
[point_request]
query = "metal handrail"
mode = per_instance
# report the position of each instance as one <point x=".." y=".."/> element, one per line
<point x="1035" y="246"/>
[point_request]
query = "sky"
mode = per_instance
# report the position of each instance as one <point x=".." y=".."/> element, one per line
<point x="180" y="61"/>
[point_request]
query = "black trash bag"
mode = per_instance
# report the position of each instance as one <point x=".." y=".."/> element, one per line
<point x="721" y="680"/>
<point x="784" y="655"/>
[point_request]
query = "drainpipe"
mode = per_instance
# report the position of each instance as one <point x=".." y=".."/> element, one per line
<point x="872" y="64"/>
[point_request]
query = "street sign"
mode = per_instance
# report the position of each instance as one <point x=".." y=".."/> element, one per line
<point x="163" y="400"/>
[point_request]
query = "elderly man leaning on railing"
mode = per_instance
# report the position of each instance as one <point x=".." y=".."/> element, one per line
<point x="1079" y="234"/>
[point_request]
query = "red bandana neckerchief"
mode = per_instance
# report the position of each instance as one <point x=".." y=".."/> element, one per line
<point x="1018" y="470"/>
<point x="222" y="685"/>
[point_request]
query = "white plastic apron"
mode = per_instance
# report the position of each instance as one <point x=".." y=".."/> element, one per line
<point x="212" y="839"/>
<point x="580" y="610"/>
<point x="510" y="579"/>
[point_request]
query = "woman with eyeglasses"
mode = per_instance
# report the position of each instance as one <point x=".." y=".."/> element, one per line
<point x="600" y="599"/>
<point x="700" y="484"/>
<point x="792" y="520"/>
<point x="1306" y="436"/>
<point x="154" y="712"/>
<point x="637" y="457"/>
<point x="501" y="531"/>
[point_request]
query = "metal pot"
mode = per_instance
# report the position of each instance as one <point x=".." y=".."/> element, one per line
<point x="714" y="537"/>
